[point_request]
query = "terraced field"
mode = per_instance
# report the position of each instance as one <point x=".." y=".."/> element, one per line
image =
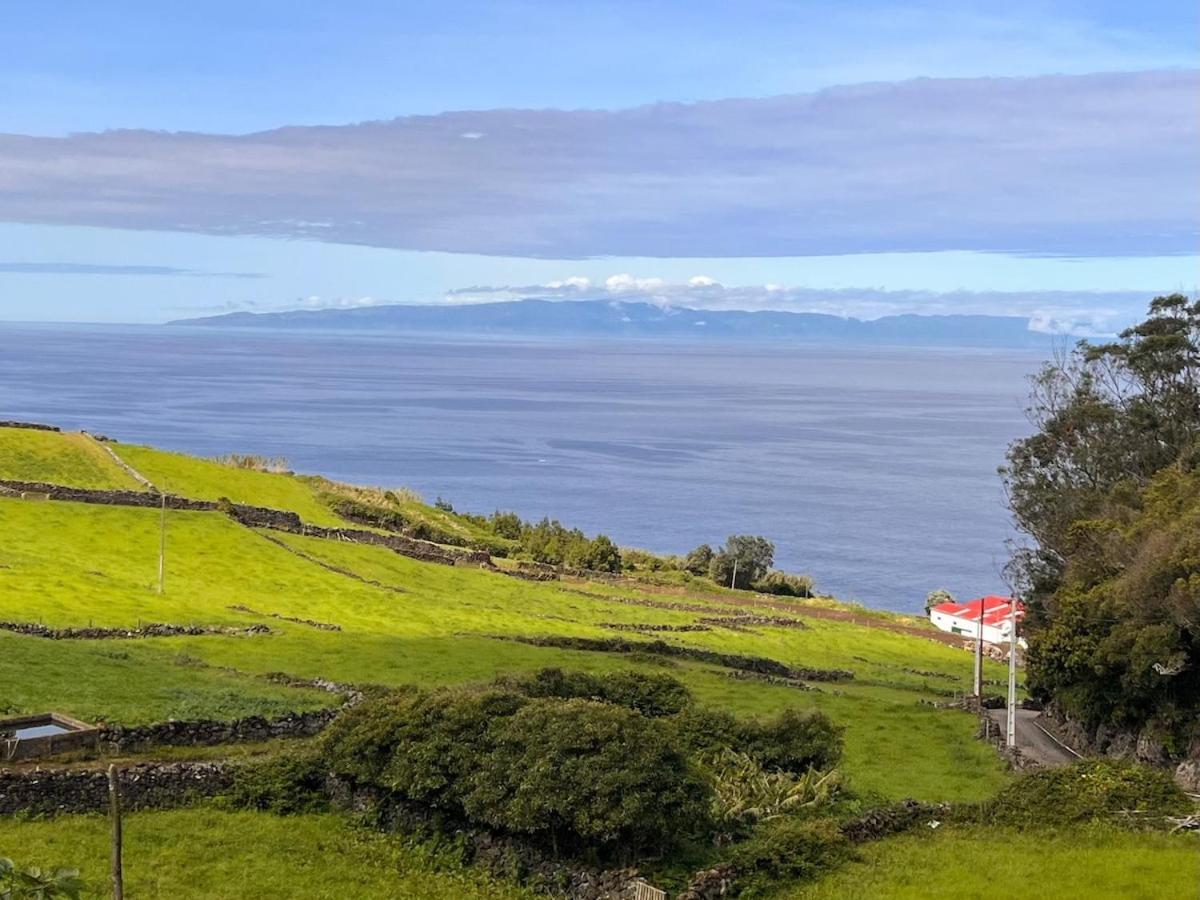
<point x="361" y="614"/>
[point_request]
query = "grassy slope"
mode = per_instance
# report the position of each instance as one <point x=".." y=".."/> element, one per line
<point x="60" y="564"/>
<point x="206" y="854"/>
<point x="59" y="458"/>
<point x="962" y="863"/>
<point x="205" y="479"/>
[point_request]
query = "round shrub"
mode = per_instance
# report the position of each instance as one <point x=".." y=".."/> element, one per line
<point x="582" y="772"/>
<point x="793" y="741"/>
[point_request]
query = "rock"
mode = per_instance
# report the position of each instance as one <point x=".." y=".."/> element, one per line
<point x="1150" y="750"/>
<point x="1187" y="775"/>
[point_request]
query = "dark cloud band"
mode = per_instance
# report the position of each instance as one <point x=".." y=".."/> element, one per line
<point x="1096" y="165"/>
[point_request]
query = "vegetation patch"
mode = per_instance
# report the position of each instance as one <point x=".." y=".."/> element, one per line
<point x="1094" y="790"/>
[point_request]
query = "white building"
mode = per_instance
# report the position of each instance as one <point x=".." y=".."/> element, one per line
<point x="995" y="613"/>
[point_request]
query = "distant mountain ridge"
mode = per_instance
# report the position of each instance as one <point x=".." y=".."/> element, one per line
<point x="638" y="318"/>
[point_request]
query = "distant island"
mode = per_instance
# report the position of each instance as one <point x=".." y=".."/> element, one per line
<point x="608" y="318"/>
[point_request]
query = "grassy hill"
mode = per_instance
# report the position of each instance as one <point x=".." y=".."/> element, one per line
<point x="399" y="621"/>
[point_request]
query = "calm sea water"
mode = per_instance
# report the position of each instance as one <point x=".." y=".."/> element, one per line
<point x="872" y="469"/>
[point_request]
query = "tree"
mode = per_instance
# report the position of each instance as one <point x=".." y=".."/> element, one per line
<point x="599" y="554"/>
<point x="742" y="561"/>
<point x="698" y="560"/>
<point x="1107" y="418"/>
<point x="1108" y="490"/>
<point x="936" y="598"/>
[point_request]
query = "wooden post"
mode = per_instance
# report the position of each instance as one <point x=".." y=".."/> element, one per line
<point x="114" y="802"/>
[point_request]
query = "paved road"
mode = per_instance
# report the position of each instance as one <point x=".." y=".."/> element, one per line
<point x="1033" y="740"/>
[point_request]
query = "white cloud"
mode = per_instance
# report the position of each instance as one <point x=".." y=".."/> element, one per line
<point x="702" y="281"/>
<point x="577" y="282"/>
<point x="625" y="283"/>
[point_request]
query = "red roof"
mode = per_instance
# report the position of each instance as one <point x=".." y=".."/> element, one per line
<point x="993" y="609"/>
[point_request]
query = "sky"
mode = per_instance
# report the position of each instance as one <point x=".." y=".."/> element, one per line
<point x="1027" y="158"/>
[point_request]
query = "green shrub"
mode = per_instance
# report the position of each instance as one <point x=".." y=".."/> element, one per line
<point x="287" y="784"/>
<point x="36" y="883"/>
<point x="785" y="584"/>
<point x="787" y="850"/>
<point x="793" y="741"/>
<point x="650" y="694"/>
<point x="586" y="773"/>
<point x="569" y="772"/>
<point x="1091" y="790"/>
<point x="746" y="793"/>
<point x="419" y="745"/>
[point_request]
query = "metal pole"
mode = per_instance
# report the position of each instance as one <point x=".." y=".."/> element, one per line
<point x="979" y="658"/>
<point x="162" y="546"/>
<point x="114" y="802"/>
<point x="1011" y="737"/>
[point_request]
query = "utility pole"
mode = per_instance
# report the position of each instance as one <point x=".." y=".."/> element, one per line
<point x="979" y="658"/>
<point x="1011" y="736"/>
<point x="733" y="578"/>
<point x="162" y="545"/>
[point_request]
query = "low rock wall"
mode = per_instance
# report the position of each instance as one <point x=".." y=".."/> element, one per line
<point x="34" y="426"/>
<point x="210" y="732"/>
<point x="152" y="630"/>
<point x="147" y="786"/>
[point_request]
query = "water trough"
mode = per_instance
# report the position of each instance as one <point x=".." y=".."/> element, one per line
<point x="43" y="734"/>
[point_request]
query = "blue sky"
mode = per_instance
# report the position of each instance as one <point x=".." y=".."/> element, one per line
<point x="1002" y="183"/>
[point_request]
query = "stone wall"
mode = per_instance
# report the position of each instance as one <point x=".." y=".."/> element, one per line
<point x="35" y="426"/>
<point x="210" y="732"/>
<point x="146" y="786"/>
<point x="151" y="630"/>
<point x="759" y="664"/>
<point x="1145" y="746"/>
<point x="253" y="517"/>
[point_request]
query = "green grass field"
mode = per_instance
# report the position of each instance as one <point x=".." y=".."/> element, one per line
<point x="206" y="854"/>
<point x="59" y="458"/>
<point x="408" y="622"/>
<point x="965" y="863"/>
<point x="435" y="631"/>
<point x="204" y="479"/>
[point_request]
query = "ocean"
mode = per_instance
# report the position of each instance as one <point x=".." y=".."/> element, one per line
<point x="874" y="470"/>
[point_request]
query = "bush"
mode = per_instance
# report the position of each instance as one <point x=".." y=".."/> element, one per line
<point x="788" y="850"/>
<point x="567" y="771"/>
<point x="38" y="884"/>
<point x="1092" y="790"/>
<point x="793" y="741"/>
<point x="746" y="793"/>
<point x="586" y="772"/>
<point x="290" y="783"/>
<point x="785" y="584"/>
<point x="698" y="561"/>
<point x="651" y="695"/>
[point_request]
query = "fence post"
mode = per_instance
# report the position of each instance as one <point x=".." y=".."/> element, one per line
<point x="114" y="803"/>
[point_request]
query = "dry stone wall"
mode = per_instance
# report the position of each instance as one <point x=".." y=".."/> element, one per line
<point x="148" y="786"/>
